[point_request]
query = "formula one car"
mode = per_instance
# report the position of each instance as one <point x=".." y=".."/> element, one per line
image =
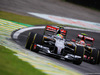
<point x="92" y="54"/>
<point x="53" y="42"/>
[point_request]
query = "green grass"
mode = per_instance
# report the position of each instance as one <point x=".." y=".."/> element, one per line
<point x="28" y="19"/>
<point x="24" y="19"/>
<point x="11" y="65"/>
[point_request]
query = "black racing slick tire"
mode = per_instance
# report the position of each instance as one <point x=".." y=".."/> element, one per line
<point x="79" y="51"/>
<point x="98" y="57"/>
<point x="29" y="40"/>
<point x="37" y="39"/>
<point x="95" y="56"/>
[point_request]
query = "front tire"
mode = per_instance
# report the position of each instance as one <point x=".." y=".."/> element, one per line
<point x="29" y="40"/>
<point x="95" y="56"/>
<point x="37" y="39"/>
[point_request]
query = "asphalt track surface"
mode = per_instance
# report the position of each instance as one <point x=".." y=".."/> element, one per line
<point x="56" y="7"/>
<point x="84" y="67"/>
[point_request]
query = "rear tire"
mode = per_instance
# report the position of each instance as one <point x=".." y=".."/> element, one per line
<point x="80" y="52"/>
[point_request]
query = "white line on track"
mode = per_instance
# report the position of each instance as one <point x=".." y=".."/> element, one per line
<point x="17" y="33"/>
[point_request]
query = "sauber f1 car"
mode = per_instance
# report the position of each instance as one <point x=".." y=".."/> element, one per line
<point x="53" y="42"/>
<point x="92" y="54"/>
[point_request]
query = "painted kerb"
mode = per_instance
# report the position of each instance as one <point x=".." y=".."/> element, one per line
<point x="47" y="66"/>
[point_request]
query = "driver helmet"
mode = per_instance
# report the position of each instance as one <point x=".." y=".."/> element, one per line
<point x="60" y="36"/>
<point x="82" y="42"/>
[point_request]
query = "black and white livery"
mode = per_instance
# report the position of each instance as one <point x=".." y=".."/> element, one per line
<point x="53" y="42"/>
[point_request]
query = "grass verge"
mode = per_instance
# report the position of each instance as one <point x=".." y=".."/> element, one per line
<point x="11" y="65"/>
<point x="24" y="19"/>
<point x="28" y="20"/>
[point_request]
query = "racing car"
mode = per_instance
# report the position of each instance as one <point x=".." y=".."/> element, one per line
<point x="53" y="42"/>
<point x="92" y="54"/>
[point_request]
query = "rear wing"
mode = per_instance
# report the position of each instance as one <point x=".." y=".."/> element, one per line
<point x="54" y="30"/>
<point x="86" y="38"/>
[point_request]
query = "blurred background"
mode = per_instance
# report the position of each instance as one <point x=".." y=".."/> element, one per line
<point x="88" y="3"/>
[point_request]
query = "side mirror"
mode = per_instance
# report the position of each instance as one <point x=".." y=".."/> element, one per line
<point x="73" y="40"/>
<point x="49" y="34"/>
<point x="88" y="44"/>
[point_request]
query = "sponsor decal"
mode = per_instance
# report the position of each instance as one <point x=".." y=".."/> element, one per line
<point x="54" y="29"/>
